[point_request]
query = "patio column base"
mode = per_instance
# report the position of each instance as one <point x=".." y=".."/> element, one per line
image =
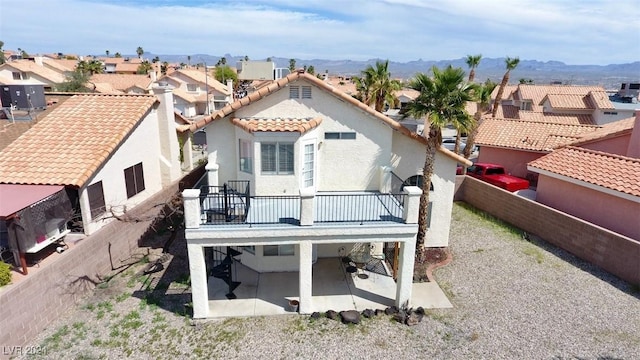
<point x="306" y="277"/>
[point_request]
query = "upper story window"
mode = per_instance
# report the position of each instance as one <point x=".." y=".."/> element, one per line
<point x="246" y="157"/>
<point x="299" y="92"/>
<point x="611" y="113"/>
<point x="134" y="179"/>
<point x="96" y="199"/>
<point x="276" y="158"/>
<point x="19" y="75"/>
<point x="192" y="87"/>
<point x="340" y="135"/>
<point x="526" y="105"/>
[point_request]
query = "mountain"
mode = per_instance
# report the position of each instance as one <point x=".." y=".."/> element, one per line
<point x="541" y="72"/>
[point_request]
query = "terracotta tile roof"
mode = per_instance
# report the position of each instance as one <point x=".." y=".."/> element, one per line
<point x="276" y="125"/>
<point x="508" y="90"/>
<point x="68" y="145"/>
<point x="120" y="60"/>
<point x="619" y="173"/>
<point x="568" y="101"/>
<point x="127" y="67"/>
<point x="600" y="100"/>
<point x="198" y="75"/>
<point x="29" y="66"/>
<point x="528" y="135"/>
<point x="408" y="93"/>
<point x="570" y="119"/>
<point x="10" y="131"/>
<point x="105" y="88"/>
<point x="60" y="65"/>
<point x="607" y="131"/>
<point x="123" y="82"/>
<point x="300" y="75"/>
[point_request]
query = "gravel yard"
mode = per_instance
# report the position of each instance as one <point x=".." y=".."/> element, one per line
<point x="513" y="299"/>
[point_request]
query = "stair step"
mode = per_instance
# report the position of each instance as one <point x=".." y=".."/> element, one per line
<point x="233" y="252"/>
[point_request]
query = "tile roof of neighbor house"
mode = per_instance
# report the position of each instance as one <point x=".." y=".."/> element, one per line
<point x="71" y="143"/>
<point x="29" y="66"/>
<point x="60" y="64"/>
<point x="123" y="82"/>
<point x="607" y="131"/>
<point x="568" y="101"/>
<point x="615" y="172"/>
<point x="276" y="125"/>
<point x="199" y="76"/>
<point x="528" y="135"/>
<point x="570" y="119"/>
<point x="128" y="68"/>
<point x="281" y="83"/>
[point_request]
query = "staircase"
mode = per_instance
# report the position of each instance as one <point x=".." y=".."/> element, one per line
<point x="224" y="267"/>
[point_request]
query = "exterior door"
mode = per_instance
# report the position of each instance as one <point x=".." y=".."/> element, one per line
<point x="308" y="165"/>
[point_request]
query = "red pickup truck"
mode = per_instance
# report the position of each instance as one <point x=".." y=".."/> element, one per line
<point x="495" y="175"/>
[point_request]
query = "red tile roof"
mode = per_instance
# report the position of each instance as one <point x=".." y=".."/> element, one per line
<point x="122" y="82"/>
<point x="68" y="145"/>
<point x="277" y="125"/>
<point x="615" y="172"/>
<point x="528" y="135"/>
<point x="607" y="131"/>
<point x="281" y="83"/>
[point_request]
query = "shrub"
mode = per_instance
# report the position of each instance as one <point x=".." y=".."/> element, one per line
<point x="5" y="273"/>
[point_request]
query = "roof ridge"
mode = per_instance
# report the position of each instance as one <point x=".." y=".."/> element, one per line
<point x="545" y="122"/>
<point x="603" y="153"/>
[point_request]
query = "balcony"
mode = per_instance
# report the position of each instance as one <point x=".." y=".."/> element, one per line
<point x="231" y="204"/>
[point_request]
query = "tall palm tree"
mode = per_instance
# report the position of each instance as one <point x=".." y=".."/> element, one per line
<point x="107" y="52"/>
<point x="482" y="98"/>
<point x="375" y="86"/>
<point x="139" y="51"/>
<point x="441" y="101"/>
<point x="510" y="63"/>
<point x="473" y="61"/>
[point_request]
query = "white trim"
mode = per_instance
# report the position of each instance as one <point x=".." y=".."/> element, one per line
<point x="599" y="188"/>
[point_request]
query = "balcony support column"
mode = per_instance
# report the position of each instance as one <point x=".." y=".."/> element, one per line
<point x="405" y="273"/>
<point x="306" y="277"/>
<point x="199" y="290"/>
<point x="411" y="204"/>
<point x="307" y="207"/>
<point x="212" y="175"/>
<point x="191" y="199"/>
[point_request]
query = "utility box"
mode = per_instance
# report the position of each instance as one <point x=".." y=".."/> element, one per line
<point x="23" y="97"/>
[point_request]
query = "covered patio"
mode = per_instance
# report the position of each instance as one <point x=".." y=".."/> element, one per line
<point x="333" y="288"/>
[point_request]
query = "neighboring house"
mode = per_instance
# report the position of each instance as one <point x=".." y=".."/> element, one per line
<point x="108" y="152"/>
<point x="122" y="83"/>
<point x="299" y="170"/>
<point x="514" y="143"/>
<point x="29" y="72"/>
<point x="121" y="65"/>
<point x="196" y="93"/>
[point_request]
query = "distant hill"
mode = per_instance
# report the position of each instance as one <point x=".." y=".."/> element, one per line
<point x="541" y="72"/>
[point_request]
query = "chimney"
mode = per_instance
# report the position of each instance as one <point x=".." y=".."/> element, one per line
<point x="38" y="60"/>
<point x="230" y="90"/>
<point x="169" y="148"/>
<point x="153" y="75"/>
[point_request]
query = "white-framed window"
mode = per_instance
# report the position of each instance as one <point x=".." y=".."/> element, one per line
<point x="134" y="179"/>
<point x="526" y="105"/>
<point x="276" y="158"/>
<point x="306" y="92"/>
<point x="246" y="156"/>
<point x="308" y="165"/>
<point x="192" y="87"/>
<point x="278" y="250"/>
<point x="340" y="135"/>
<point x="294" y="92"/>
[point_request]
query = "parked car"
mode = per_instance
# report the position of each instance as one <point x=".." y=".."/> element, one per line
<point x="450" y="144"/>
<point x="495" y="175"/>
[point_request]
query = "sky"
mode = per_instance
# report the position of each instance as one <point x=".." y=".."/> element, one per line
<point x="576" y="32"/>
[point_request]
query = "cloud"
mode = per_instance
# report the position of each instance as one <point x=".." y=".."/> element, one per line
<point x="584" y="32"/>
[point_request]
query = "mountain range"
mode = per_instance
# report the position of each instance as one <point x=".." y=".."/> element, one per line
<point x="540" y="72"/>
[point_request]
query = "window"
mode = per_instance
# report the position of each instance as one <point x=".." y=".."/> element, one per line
<point x="634" y="86"/>
<point x="415" y="180"/>
<point x="276" y="158"/>
<point x="134" y="179"/>
<point x="306" y="92"/>
<point x="294" y="92"/>
<point x="16" y="76"/>
<point x="250" y="249"/>
<point x="611" y="113"/>
<point x="340" y="135"/>
<point x="307" y="168"/>
<point x="96" y="199"/>
<point x="278" y="250"/>
<point x="246" y="157"/>
<point x="526" y="105"/>
<point x="192" y="87"/>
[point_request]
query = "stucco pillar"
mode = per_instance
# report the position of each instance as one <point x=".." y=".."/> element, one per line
<point x="187" y="151"/>
<point x="169" y="148"/>
<point x="212" y="175"/>
<point x="411" y="204"/>
<point x="405" y="273"/>
<point x="385" y="179"/>
<point x="306" y="277"/>
<point x="85" y="211"/>
<point x="191" y="198"/>
<point x="199" y="290"/>
<point x="307" y="206"/>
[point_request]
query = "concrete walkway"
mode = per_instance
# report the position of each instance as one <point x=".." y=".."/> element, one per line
<point x="333" y="289"/>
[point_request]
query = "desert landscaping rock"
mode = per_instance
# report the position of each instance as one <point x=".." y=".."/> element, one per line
<point x="512" y="299"/>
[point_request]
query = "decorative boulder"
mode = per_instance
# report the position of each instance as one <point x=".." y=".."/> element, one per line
<point x="379" y="312"/>
<point x="368" y="313"/>
<point x="350" y="317"/>
<point x="332" y="314"/>
<point x="400" y="317"/>
<point x="413" y="319"/>
<point x="391" y="310"/>
<point x="315" y="315"/>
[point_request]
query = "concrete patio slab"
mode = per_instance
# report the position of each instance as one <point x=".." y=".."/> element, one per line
<point x="333" y="288"/>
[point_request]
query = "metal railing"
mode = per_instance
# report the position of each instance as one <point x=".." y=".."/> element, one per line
<point x="229" y="203"/>
<point x="358" y="208"/>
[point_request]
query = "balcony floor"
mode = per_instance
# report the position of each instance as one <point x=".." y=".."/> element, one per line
<point x="268" y="293"/>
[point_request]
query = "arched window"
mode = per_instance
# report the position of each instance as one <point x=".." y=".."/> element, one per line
<point x="415" y="180"/>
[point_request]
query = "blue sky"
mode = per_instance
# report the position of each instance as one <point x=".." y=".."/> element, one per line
<point x="575" y="32"/>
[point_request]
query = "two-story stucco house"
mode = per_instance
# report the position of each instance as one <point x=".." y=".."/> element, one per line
<point x="299" y="171"/>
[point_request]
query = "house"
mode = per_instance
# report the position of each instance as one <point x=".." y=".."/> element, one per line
<point x="299" y="171"/>
<point x="513" y="143"/>
<point x="122" y="83"/>
<point x="29" y="72"/>
<point x="103" y="154"/>
<point x="197" y="94"/>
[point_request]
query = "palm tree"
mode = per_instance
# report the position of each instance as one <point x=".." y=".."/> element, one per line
<point x="117" y="55"/>
<point x="2" y="59"/>
<point x="144" y="68"/>
<point x="376" y="87"/>
<point x="292" y="65"/>
<point x="441" y="101"/>
<point x="482" y="98"/>
<point x="139" y="51"/>
<point x="473" y="61"/>
<point x="107" y="52"/>
<point x="511" y="63"/>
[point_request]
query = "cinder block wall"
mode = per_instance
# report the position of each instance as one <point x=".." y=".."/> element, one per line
<point x="611" y="251"/>
<point x="31" y="305"/>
